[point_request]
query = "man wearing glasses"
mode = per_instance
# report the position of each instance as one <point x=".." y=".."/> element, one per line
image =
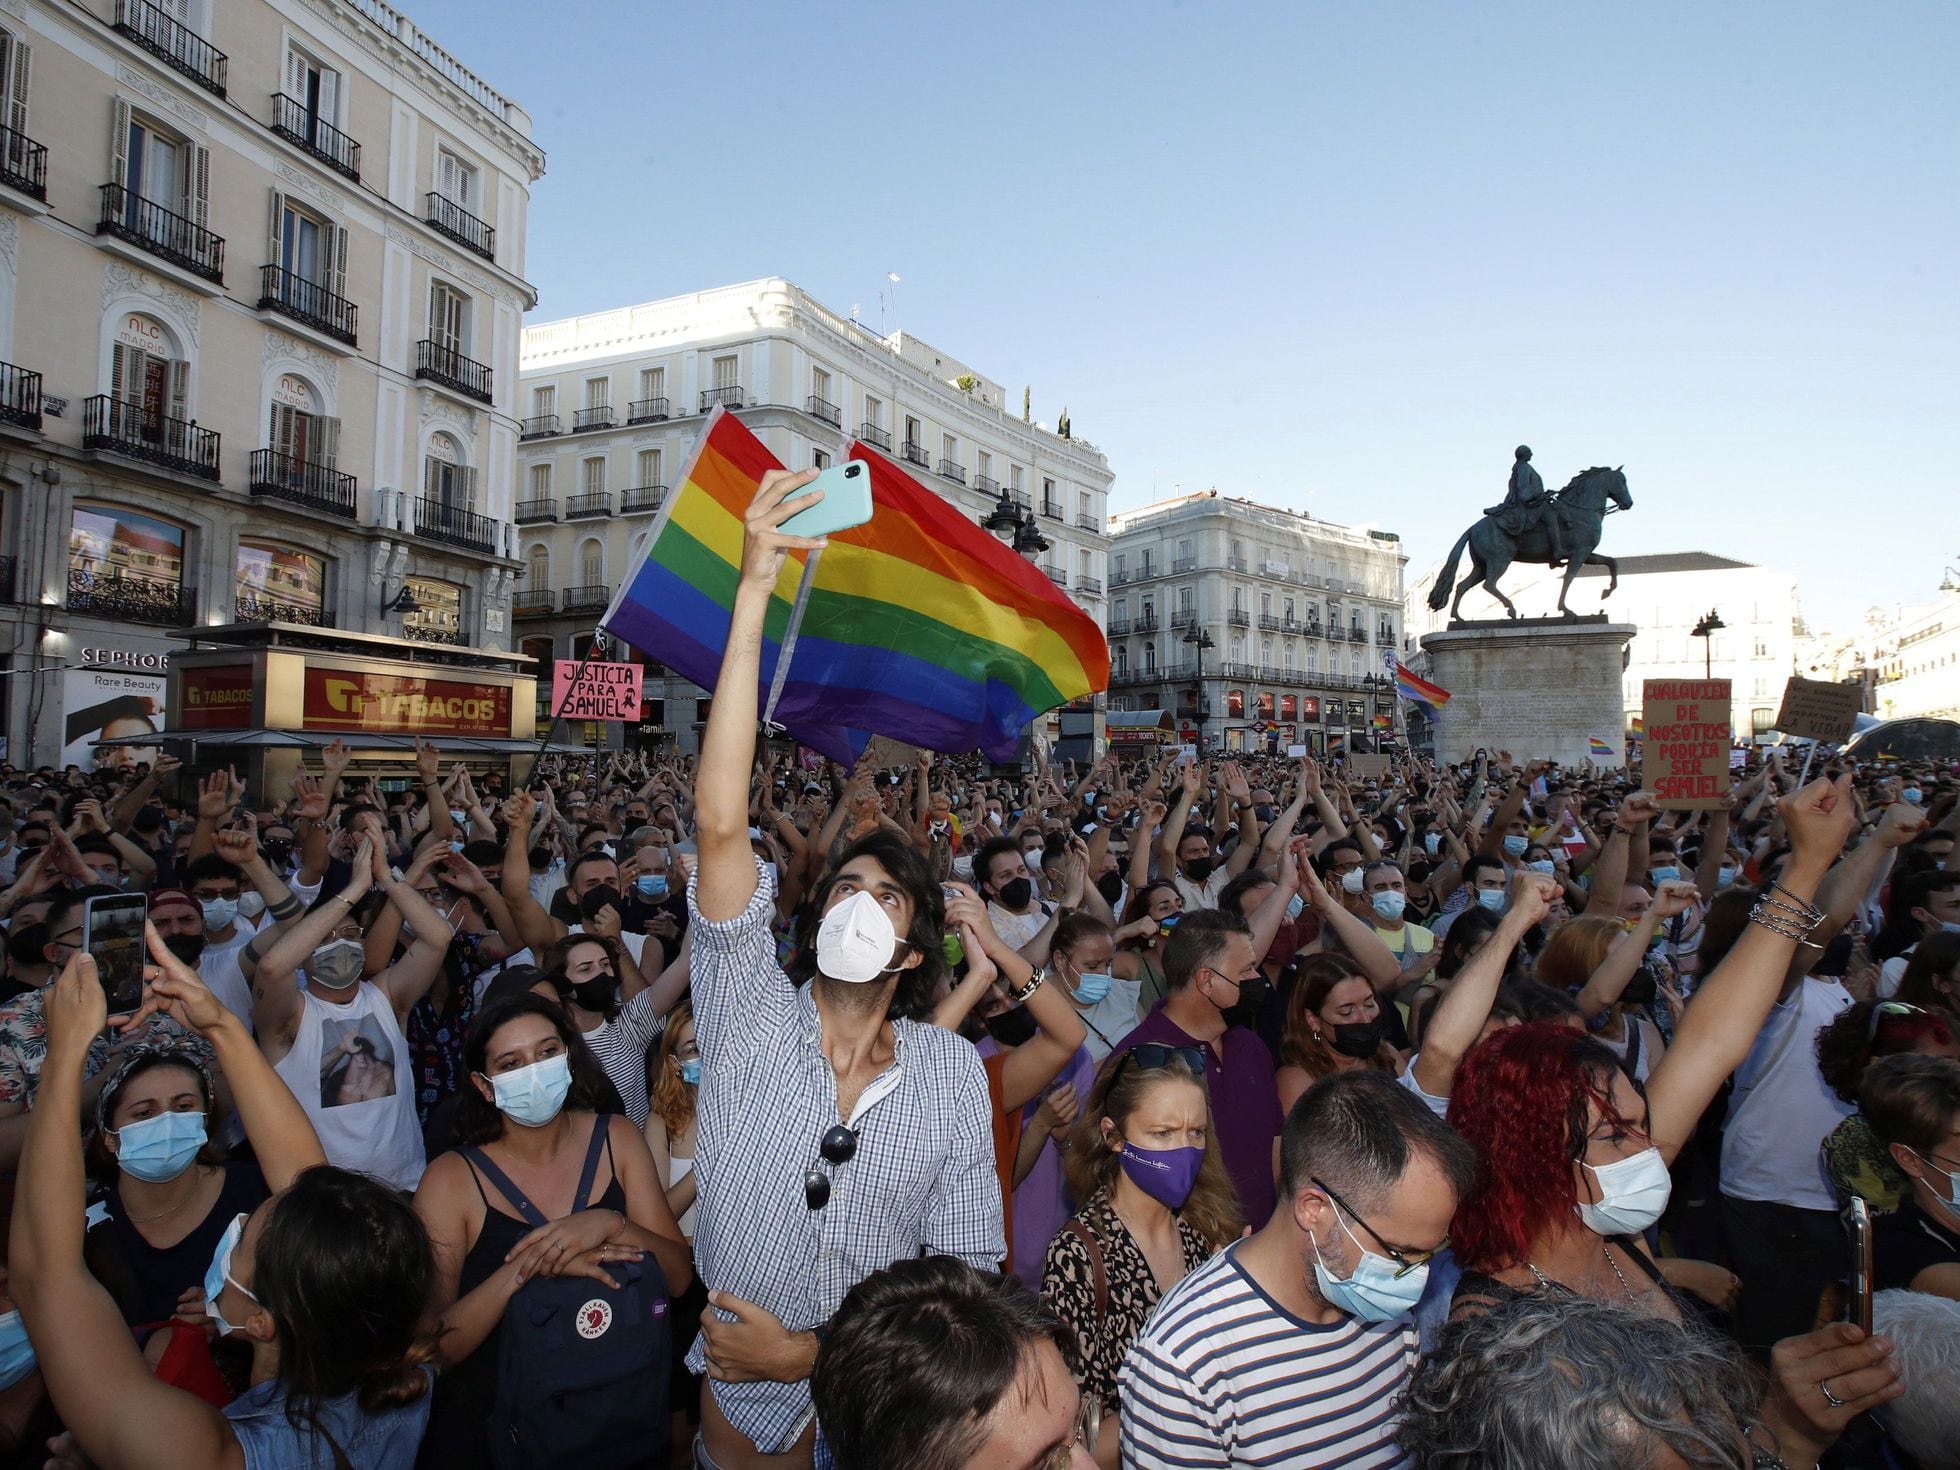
<point x="838" y="1130"/>
<point x="1291" y="1348"/>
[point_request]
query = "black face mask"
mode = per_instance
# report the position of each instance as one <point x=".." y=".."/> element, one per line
<point x="540" y="859"/>
<point x="1360" y="1039"/>
<point x="599" y="995"/>
<point x="1012" y="1028"/>
<point x="1016" y="892"/>
<point x="25" y="942"/>
<point x="1110" y="886"/>
<point x="187" y="947"/>
<point x="277" y="854"/>
<point x="1199" y="869"/>
<point x="1252" y="1000"/>
<point x="596" y="899"/>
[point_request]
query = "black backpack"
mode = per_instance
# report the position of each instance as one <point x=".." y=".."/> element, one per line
<point x="582" y="1369"/>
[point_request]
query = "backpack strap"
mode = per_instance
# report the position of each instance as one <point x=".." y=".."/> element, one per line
<point x="601" y="1140"/>
<point x="1081" y="1233"/>
<point x="531" y="1213"/>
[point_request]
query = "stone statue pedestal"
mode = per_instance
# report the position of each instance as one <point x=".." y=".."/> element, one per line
<point x="1541" y="688"/>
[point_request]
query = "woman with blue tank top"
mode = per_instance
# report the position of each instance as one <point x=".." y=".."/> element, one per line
<point x="325" y="1281"/>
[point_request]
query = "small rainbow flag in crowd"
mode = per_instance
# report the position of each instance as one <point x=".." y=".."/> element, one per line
<point x="1409" y="686"/>
<point x="1597" y="747"/>
<point x="1639" y="726"/>
<point x="1382" y="722"/>
<point x="919" y="625"/>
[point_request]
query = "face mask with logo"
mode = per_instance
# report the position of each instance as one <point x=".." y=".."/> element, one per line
<point x="1544" y="866"/>
<point x="651" y="885"/>
<point x="218" y="1275"/>
<point x="1016" y="893"/>
<point x="16" y="1352"/>
<point x="531" y="1096"/>
<point x="1372" y="1292"/>
<point x="1633" y="1194"/>
<point x="1516" y="844"/>
<point x="336" y="964"/>
<point x="691" y="1071"/>
<point x="159" y="1148"/>
<point x="218" y="912"/>
<point x="1167" y="1175"/>
<point x="856" y="941"/>
<point x="1492" y="899"/>
<point x="1389" y="905"/>
<point x="1666" y="873"/>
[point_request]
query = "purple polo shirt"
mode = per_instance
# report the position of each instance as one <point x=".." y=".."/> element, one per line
<point x="1244" y="1106"/>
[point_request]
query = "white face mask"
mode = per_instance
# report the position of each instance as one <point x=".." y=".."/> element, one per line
<point x="251" y="903"/>
<point x="963" y="868"/>
<point x="856" y="940"/>
<point x="1633" y="1194"/>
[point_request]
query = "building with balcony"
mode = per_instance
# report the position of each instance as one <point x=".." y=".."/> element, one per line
<point x="261" y="288"/>
<point x="1665" y="596"/>
<point x="613" y="403"/>
<point x="1905" y="656"/>
<point x="1256" y="627"/>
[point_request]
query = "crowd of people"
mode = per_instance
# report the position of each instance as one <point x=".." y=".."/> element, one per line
<point x="743" y="1112"/>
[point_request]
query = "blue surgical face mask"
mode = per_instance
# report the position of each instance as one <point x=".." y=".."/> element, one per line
<point x="533" y="1095"/>
<point x="651" y="885"/>
<point x="159" y="1148"/>
<point x="1091" y="986"/>
<point x="1724" y="876"/>
<point x="16" y="1352"/>
<point x="691" y="1071"/>
<point x="1515" y="844"/>
<point x="1372" y="1292"/>
<point x="1543" y="865"/>
<point x="218" y="912"/>
<point x="1664" y="874"/>
<point x="1388" y="905"/>
<point x="1912" y="794"/>
<point x="1492" y="899"/>
<point x="218" y="1274"/>
<point x="1295" y="906"/>
<point x="1432" y="842"/>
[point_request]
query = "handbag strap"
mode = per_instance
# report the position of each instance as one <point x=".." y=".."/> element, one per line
<point x="601" y="1130"/>
<point x="601" y="1135"/>
<point x="1081" y="1233"/>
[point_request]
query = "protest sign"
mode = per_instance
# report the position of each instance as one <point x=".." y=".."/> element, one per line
<point x="1296" y="751"/>
<point x="603" y="691"/>
<point x="1685" y="757"/>
<point x="1368" y="765"/>
<point x="1816" y="710"/>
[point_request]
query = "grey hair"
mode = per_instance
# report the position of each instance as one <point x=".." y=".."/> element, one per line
<point x="1548" y="1378"/>
<point x="1925" y="1334"/>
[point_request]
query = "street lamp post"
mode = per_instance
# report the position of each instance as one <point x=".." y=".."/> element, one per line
<point x="1200" y="640"/>
<point x="1706" y="630"/>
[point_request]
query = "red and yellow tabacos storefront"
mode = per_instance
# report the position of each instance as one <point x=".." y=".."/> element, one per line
<point x="266" y="697"/>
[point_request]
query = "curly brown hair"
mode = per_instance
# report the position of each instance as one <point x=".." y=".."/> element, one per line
<point x="1091" y="1164"/>
<point x="672" y="1099"/>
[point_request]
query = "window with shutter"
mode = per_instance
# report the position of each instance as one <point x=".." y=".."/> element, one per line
<point x="544" y="401"/>
<point x="725" y="371"/>
<point x="448" y="317"/>
<point x="653" y="382"/>
<point x="540" y="482"/>
<point x="591" y="564"/>
<point x="455" y="180"/>
<point x="595" y="476"/>
<point x="540" y="572"/>
<point x="14" y="67"/>
<point x="598" y="392"/>
<point x="649" y="467"/>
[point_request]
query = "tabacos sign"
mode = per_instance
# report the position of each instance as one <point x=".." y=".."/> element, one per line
<point x="215" y="697"/>
<point x="338" y="699"/>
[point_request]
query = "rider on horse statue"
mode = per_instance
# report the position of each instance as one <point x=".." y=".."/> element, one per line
<point x="1526" y="505"/>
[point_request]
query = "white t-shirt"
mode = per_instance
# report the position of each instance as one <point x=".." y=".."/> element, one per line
<point x="1200" y="895"/>
<point x="362" y="1100"/>
<point x="1016" y="930"/>
<point x="224" y="977"/>
<point x="1783" y="1109"/>
<point x="635" y="943"/>
<point x="1893" y="972"/>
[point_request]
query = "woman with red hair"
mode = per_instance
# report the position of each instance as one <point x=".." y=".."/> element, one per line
<point x="1572" y="1157"/>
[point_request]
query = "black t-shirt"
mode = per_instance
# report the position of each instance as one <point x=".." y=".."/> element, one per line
<point x="1906" y="1243"/>
<point x="145" y="1281"/>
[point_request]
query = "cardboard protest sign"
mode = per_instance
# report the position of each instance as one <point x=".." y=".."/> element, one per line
<point x="1816" y="710"/>
<point x="1684" y="760"/>
<point x="585" y="690"/>
<point x="1368" y="765"/>
<point x="1296" y="751"/>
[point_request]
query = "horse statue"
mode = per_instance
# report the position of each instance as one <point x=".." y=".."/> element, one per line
<point x="1582" y="507"/>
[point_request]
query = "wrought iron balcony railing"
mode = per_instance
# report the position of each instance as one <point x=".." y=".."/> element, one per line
<point x="447" y="366"/>
<point x="305" y="301"/>
<point x="128" y="429"/>
<point x="292" y="121"/>
<point x="447" y="217"/>
<point x="129" y="216"/>
<point x="277" y="476"/>
<point x="177" y="45"/>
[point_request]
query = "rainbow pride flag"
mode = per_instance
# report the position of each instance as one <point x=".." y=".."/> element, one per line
<point x="1420" y="690"/>
<point x="919" y="625"/>
<point x="1597" y="747"/>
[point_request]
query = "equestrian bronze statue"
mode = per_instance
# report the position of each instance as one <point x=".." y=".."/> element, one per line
<point x="1562" y="527"/>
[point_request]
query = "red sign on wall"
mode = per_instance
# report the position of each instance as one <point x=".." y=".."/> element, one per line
<point x="218" y="697"/>
<point x="339" y="699"/>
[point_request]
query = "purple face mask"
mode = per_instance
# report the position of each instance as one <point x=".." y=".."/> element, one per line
<point x="1165" y="1174"/>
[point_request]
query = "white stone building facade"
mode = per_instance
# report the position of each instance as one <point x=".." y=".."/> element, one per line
<point x="1907" y="656"/>
<point x="614" y="402"/>
<point x="1299" y="613"/>
<point x="261" y="289"/>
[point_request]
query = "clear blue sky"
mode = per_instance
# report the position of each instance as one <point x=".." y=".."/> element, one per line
<point x="1335" y="256"/>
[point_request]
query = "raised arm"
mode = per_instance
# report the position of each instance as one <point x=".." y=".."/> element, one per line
<point x="1173" y="833"/>
<point x="1609" y="874"/>
<point x="1848" y="883"/>
<point x="275" y="998"/>
<point x="535" y="926"/>
<point x="1458" y="1018"/>
<point x="726" y="877"/>
<point x="408" y="979"/>
<point x="1606" y="984"/>
<point x="1721" y="1022"/>
<point x="1375" y="959"/>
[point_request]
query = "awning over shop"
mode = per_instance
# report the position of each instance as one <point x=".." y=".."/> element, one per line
<point x="1140" y="726"/>
<point x="314" y="740"/>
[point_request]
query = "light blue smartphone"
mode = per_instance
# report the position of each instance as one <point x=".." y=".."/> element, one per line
<point x="846" y="501"/>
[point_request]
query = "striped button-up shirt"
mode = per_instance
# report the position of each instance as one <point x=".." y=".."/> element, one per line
<point x="922" y="1180"/>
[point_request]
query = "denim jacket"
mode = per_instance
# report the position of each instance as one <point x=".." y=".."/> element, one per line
<point x="370" y="1442"/>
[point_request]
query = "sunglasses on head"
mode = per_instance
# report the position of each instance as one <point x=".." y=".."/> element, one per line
<point x="1155" y="1056"/>
<point x="1894" y="1009"/>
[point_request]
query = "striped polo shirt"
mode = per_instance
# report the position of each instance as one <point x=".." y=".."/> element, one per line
<point x="1222" y="1375"/>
